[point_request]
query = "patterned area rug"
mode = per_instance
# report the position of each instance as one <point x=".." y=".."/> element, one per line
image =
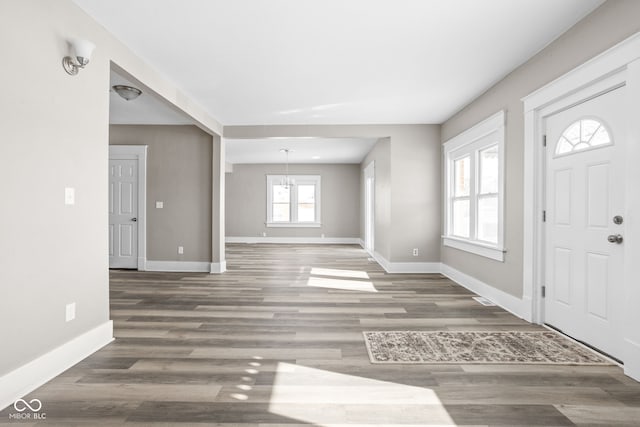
<point x="544" y="347"/>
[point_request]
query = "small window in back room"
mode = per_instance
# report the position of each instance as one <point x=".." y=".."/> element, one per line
<point x="293" y="201"/>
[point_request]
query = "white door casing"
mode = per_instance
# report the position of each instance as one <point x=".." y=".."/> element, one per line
<point x="616" y="67"/>
<point x="369" y="207"/>
<point x="127" y="206"/>
<point x="584" y="191"/>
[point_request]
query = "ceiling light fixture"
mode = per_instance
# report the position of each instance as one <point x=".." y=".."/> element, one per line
<point x="82" y="50"/>
<point x="127" y="92"/>
<point x="287" y="181"/>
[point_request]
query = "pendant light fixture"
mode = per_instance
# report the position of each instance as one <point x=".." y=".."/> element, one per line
<point x="287" y="181"/>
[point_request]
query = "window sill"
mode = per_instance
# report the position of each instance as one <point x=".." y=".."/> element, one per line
<point x="477" y="248"/>
<point x="293" y="224"/>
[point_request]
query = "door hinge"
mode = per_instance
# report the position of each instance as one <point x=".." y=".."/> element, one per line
<point x="544" y="216"/>
<point x="544" y="140"/>
<point x="544" y="291"/>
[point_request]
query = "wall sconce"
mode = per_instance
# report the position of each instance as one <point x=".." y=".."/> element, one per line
<point x="82" y="50"/>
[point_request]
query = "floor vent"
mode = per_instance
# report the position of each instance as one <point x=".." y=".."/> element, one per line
<point x="484" y="301"/>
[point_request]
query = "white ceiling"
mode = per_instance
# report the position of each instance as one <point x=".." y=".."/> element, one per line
<point x="304" y="150"/>
<point x="335" y="61"/>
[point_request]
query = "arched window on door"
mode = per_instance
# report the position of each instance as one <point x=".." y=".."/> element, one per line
<point x="582" y="135"/>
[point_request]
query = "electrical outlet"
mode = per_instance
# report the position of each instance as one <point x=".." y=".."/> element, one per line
<point x="264" y="234"/>
<point x="70" y="312"/>
<point x="180" y="250"/>
<point x="415" y="251"/>
<point x="322" y="235"/>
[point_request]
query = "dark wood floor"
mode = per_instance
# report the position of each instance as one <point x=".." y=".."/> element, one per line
<point x="278" y="341"/>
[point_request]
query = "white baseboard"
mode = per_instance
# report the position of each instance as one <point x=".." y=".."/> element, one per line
<point x="218" y="267"/>
<point x="23" y="380"/>
<point x="519" y="307"/>
<point x="381" y="260"/>
<point x="296" y="240"/>
<point x="414" y="267"/>
<point x="179" y="266"/>
<point x="361" y="243"/>
<point x="632" y="359"/>
<point x="406" y="267"/>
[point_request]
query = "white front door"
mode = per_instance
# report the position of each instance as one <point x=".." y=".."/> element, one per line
<point x="123" y="213"/>
<point x="584" y="226"/>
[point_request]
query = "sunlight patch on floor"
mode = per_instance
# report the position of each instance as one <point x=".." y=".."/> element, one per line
<point x="342" y="284"/>
<point x="354" y="274"/>
<point x="327" y="398"/>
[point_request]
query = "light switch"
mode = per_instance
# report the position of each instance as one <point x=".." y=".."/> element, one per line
<point x="69" y="196"/>
<point x="70" y="312"/>
<point x="159" y="205"/>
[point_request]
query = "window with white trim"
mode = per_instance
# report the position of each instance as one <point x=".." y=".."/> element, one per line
<point x="293" y="201"/>
<point x="474" y="189"/>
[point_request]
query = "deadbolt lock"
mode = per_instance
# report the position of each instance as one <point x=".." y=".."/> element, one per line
<point x="617" y="219"/>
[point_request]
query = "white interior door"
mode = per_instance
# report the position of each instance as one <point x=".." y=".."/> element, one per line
<point x="583" y="232"/>
<point x="123" y="213"/>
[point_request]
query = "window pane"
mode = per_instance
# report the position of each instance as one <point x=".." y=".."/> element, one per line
<point x="488" y="219"/>
<point x="601" y="137"/>
<point x="588" y="128"/>
<point x="281" y="212"/>
<point x="461" y="218"/>
<point x="489" y="170"/>
<point x="573" y="133"/>
<point x="306" y="203"/>
<point x="280" y="194"/>
<point x="306" y="212"/>
<point x="564" y="146"/>
<point x="306" y="193"/>
<point x="461" y="177"/>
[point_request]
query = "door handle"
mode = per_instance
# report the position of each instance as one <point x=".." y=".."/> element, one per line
<point x="615" y="238"/>
<point x="134" y="219"/>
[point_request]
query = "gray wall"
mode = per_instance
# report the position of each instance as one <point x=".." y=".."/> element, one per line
<point x="179" y="160"/>
<point x="415" y="194"/>
<point x="246" y="198"/>
<point x="414" y="180"/>
<point x="611" y="23"/>
<point x="54" y="134"/>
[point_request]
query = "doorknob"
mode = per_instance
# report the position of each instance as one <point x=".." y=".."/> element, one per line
<point x="134" y="219"/>
<point x="615" y="238"/>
